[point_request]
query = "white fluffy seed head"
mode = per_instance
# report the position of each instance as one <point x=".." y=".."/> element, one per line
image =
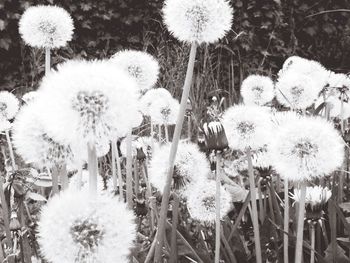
<point x="306" y="148"/>
<point x="29" y="96"/>
<point x="296" y="91"/>
<point x="201" y="201"/>
<point x="9" y="105"/>
<point x="32" y="142"/>
<point x="46" y="26"/>
<point x="257" y="90"/>
<point x="151" y="96"/>
<point x="164" y="110"/>
<point x="201" y="21"/>
<point x="190" y="166"/>
<point x="100" y="230"/>
<point x="140" y="65"/>
<point x="88" y="102"/>
<point x="309" y="68"/>
<point x="315" y="195"/>
<point x="247" y="126"/>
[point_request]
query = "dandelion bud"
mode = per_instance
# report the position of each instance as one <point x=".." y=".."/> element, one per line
<point x="215" y="136"/>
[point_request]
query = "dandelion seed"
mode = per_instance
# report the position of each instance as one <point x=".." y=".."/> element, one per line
<point x="9" y="105"/>
<point x="88" y="102"/>
<point x="198" y="21"/>
<point x="257" y="90"/>
<point x="164" y="111"/>
<point x="296" y="91"/>
<point x="201" y="201"/>
<point x="46" y="26"/>
<point x="151" y="96"/>
<point x="100" y="230"/>
<point x="306" y="148"/>
<point x="190" y="165"/>
<point x="140" y="65"/>
<point x="247" y="126"/>
<point x="34" y="144"/>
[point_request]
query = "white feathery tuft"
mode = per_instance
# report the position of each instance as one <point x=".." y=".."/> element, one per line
<point x="257" y="90"/>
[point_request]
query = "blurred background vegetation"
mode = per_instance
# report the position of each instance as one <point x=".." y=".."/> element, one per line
<point x="264" y="34"/>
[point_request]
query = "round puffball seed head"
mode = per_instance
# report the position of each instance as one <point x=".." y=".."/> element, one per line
<point x="140" y="65"/>
<point x="201" y="21"/>
<point x="306" y="148"/>
<point x="9" y="105"/>
<point x="257" y="90"/>
<point x="46" y="26"/>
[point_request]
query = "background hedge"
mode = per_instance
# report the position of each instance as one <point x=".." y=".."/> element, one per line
<point x="264" y="34"/>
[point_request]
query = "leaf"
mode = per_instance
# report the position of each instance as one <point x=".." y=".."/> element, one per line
<point x="35" y="197"/>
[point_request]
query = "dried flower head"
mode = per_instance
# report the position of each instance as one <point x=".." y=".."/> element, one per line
<point x="202" y="21"/>
<point x="257" y="90"/>
<point x="296" y="91"/>
<point x="151" y="96"/>
<point x="306" y="148"/>
<point x="140" y="65"/>
<point x="100" y="230"/>
<point x="201" y="201"/>
<point x="164" y="111"/>
<point x="247" y="126"/>
<point x="88" y="102"/>
<point x="215" y="136"/>
<point x="34" y="144"/>
<point x="46" y="26"/>
<point x="9" y="105"/>
<point x="190" y="166"/>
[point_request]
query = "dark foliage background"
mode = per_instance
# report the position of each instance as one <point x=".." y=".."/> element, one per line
<point x="264" y="34"/>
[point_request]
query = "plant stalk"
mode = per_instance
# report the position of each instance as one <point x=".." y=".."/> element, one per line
<point x="176" y="138"/>
<point x="254" y="208"/>
<point x="175" y="212"/>
<point x="129" y="169"/>
<point x="217" y="208"/>
<point x="286" y="222"/>
<point x="300" y="227"/>
<point x="312" y="237"/>
<point x="12" y="156"/>
<point x="47" y="60"/>
<point x="93" y="169"/>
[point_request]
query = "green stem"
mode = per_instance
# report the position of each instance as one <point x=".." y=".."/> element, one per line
<point x="286" y="222"/>
<point x="54" y="176"/>
<point x="12" y="156"/>
<point x="254" y="208"/>
<point x="300" y="227"/>
<point x="173" y="150"/>
<point x="114" y="168"/>
<point x="217" y="208"/>
<point x="47" y="60"/>
<point x="175" y="211"/>
<point x="120" y="177"/>
<point x="129" y="169"/>
<point x="5" y="213"/>
<point x="93" y="169"/>
<point x="312" y="237"/>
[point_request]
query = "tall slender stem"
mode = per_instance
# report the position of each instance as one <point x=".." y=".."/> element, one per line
<point x="93" y="169"/>
<point x="12" y="156"/>
<point x="286" y="222"/>
<point x="120" y="178"/>
<point x="254" y="208"/>
<point x="217" y="208"/>
<point x="5" y="212"/>
<point x="64" y="177"/>
<point x="47" y="60"/>
<point x="300" y="227"/>
<point x="173" y="150"/>
<point x="136" y="178"/>
<point x="166" y="132"/>
<point x="312" y="237"/>
<point x="79" y="175"/>
<point x="129" y="170"/>
<point x="189" y="127"/>
<point x="54" y="176"/>
<point x="114" y="168"/>
<point x="152" y="135"/>
<point x="175" y="211"/>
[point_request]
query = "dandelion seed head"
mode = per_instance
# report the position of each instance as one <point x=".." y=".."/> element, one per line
<point x="247" y="126"/>
<point x="34" y="144"/>
<point x="151" y="96"/>
<point x="201" y="201"/>
<point x="164" y="111"/>
<point x="140" y="65"/>
<point x="198" y="21"/>
<point x="296" y="91"/>
<point x="88" y="102"/>
<point x="9" y="105"/>
<point x="46" y="26"/>
<point x="190" y="166"/>
<point x="101" y="230"/>
<point x="257" y="90"/>
<point x="306" y="148"/>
